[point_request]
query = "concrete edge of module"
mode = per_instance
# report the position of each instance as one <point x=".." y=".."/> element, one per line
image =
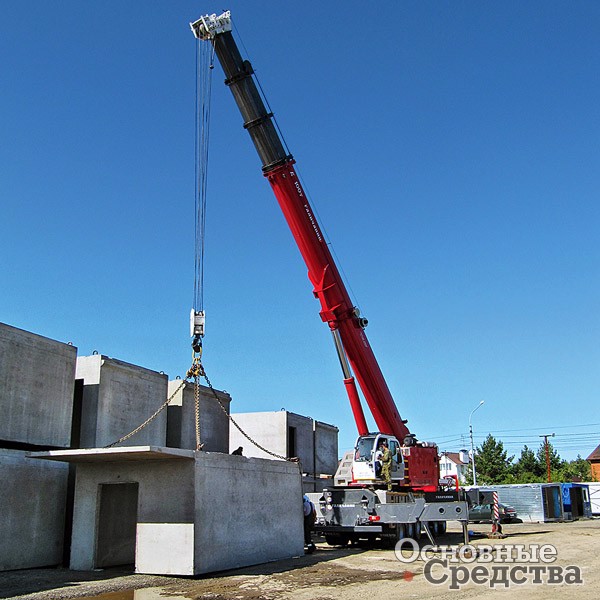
<point x="87" y="455"/>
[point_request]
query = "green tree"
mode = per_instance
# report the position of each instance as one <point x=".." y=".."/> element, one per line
<point x="556" y="463"/>
<point x="574" y="470"/>
<point x="527" y="469"/>
<point x="492" y="463"/>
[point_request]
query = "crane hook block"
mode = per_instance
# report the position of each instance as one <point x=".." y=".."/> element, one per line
<point x="196" y="323"/>
<point x="208" y="26"/>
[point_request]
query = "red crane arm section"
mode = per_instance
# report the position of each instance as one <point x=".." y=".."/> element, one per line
<point x="336" y="307"/>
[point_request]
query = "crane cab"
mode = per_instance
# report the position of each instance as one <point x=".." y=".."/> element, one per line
<point x="366" y="466"/>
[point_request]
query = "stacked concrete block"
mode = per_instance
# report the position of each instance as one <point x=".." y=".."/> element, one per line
<point x="37" y="377"/>
<point x="269" y="429"/>
<point x="190" y="512"/>
<point x="117" y="398"/>
<point x="300" y="441"/>
<point x="32" y="504"/>
<point x="326" y="454"/>
<point x="314" y="443"/>
<point x="213" y="418"/>
<point x="36" y="389"/>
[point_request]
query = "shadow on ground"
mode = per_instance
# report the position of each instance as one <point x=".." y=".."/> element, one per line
<point x="71" y="584"/>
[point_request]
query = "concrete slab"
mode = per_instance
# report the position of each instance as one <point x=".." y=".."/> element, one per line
<point x="117" y="398"/>
<point x="32" y="504"/>
<point x="181" y="418"/>
<point x="119" y="454"/>
<point x="37" y="377"/>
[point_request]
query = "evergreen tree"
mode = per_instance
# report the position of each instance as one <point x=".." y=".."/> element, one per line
<point x="492" y="463"/>
<point x="575" y="470"/>
<point x="555" y="460"/>
<point x="527" y="469"/>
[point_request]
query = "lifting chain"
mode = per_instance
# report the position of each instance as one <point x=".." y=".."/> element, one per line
<point x="150" y="418"/>
<point x="195" y="372"/>
<point x="237" y="426"/>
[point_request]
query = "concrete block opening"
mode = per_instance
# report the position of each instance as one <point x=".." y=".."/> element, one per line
<point x="117" y="521"/>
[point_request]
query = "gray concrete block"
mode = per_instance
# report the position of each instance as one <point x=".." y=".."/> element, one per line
<point x="181" y="418"/>
<point x="32" y="504"/>
<point x="196" y="512"/>
<point x="117" y="398"/>
<point x="165" y="494"/>
<point x="37" y="377"/>
<point x="248" y="511"/>
<point x="326" y="449"/>
<point x="268" y="428"/>
<point x="300" y="441"/>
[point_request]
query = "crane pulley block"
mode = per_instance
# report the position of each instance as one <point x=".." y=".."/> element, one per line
<point x="206" y="27"/>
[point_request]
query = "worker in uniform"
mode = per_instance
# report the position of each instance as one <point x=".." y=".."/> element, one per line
<point x="310" y="515"/>
<point x="386" y="464"/>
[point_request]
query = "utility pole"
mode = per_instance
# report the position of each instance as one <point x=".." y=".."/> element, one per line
<point x="548" y="454"/>
<point x="472" y="447"/>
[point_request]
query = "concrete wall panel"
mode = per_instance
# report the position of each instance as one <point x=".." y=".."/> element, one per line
<point x="165" y="548"/>
<point x="36" y="388"/>
<point x="166" y="495"/>
<point x="248" y="511"/>
<point x="304" y="446"/>
<point x="326" y="449"/>
<point x="181" y="419"/>
<point x="117" y="397"/>
<point x="267" y="428"/>
<point x="32" y="504"/>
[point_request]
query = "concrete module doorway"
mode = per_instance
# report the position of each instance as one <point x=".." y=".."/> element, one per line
<point x="116" y="527"/>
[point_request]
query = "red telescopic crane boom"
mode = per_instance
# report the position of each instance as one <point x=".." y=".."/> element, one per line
<point x="337" y="309"/>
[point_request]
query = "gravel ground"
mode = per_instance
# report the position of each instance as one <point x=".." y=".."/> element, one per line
<point x="328" y="574"/>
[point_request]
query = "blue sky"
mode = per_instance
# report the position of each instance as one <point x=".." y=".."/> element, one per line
<point x="451" y="150"/>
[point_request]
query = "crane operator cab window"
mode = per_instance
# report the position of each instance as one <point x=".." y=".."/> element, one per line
<point x="395" y="450"/>
<point x="364" y="449"/>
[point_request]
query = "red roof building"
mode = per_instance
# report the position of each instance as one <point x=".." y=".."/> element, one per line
<point x="594" y="460"/>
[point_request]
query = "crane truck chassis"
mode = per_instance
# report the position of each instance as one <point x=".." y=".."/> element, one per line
<point x="350" y="515"/>
<point x="354" y="508"/>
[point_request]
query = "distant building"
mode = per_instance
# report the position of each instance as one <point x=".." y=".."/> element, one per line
<point x="454" y="463"/>
<point x="594" y="460"/>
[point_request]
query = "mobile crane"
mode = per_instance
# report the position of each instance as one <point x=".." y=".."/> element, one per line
<point x="416" y="495"/>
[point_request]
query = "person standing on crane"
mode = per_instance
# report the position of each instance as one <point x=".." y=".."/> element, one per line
<point x="386" y="464"/>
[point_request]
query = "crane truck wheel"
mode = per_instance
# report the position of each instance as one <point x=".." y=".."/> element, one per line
<point x="337" y="540"/>
<point x="438" y="527"/>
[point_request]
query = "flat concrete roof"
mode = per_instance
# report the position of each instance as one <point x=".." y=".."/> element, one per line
<point x="88" y="455"/>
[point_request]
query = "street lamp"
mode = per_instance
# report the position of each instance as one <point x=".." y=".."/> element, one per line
<point x="472" y="447"/>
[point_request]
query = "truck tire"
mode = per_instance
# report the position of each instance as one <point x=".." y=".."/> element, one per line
<point x="335" y="539"/>
<point x="438" y="527"/>
<point x="417" y="531"/>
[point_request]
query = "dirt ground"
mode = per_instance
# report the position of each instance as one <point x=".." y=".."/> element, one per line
<point x="336" y="573"/>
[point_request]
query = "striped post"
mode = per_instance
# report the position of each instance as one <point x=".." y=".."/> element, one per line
<point x="496" y="509"/>
<point x="496" y="527"/>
